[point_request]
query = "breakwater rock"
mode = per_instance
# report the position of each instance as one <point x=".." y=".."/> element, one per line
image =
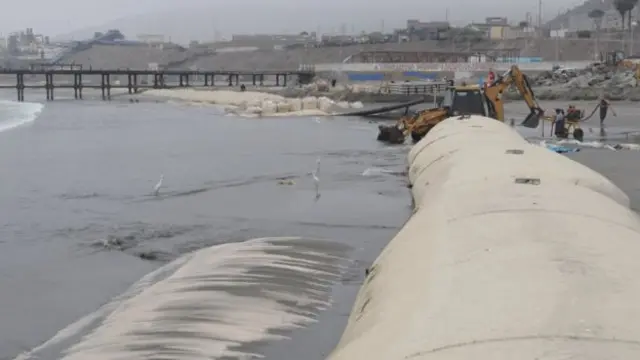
<point x="585" y="84"/>
<point x="367" y="93"/>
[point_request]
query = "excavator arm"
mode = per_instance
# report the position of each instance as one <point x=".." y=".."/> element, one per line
<point x="514" y="77"/>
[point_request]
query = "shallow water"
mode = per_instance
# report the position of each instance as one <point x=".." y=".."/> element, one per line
<point x="82" y="176"/>
<point x="84" y="172"/>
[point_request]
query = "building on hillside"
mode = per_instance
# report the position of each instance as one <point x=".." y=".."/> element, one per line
<point x="581" y="22"/>
<point x="492" y="27"/>
<point x="562" y="33"/>
<point x="498" y="28"/>
<point x="431" y="30"/>
<point x="338" y="40"/>
<point x="271" y="41"/>
<point x="151" y="38"/>
<point x="383" y="56"/>
<point x="12" y="44"/>
<point x="496" y="21"/>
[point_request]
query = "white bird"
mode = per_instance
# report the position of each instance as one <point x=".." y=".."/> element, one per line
<point x="316" y="119"/>
<point x="316" y="182"/>
<point x="156" y="189"/>
<point x="318" y="166"/>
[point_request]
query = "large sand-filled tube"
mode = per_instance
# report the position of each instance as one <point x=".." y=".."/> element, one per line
<point x="221" y="302"/>
<point x="513" y="252"/>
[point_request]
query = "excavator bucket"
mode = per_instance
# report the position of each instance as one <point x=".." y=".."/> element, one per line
<point x="533" y="119"/>
<point x="390" y="134"/>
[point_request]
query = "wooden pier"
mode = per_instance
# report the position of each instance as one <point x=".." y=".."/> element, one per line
<point x="136" y="80"/>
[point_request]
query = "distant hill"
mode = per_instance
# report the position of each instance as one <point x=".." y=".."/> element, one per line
<point x="562" y="20"/>
<point x="201" y="24"/>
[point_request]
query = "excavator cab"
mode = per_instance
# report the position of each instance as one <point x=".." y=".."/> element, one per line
<point x="614" y="58"/>
<point x="468" y="100"/>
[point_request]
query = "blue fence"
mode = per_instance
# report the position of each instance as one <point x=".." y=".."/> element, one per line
<point x="420" y="75"/>
<point x="354" y="76"/>
<point x="519" y="60"/>
<point x="379" y="76"/>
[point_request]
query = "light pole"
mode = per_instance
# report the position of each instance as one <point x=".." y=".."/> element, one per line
<point x="631" y="40"/>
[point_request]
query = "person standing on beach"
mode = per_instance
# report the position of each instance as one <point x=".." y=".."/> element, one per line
<point x="604" y="107"/>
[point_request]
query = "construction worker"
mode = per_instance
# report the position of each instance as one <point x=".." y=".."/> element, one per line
<point x="573" y="114"/>
<point x="558" y="123"/>
<point x="604" y="107"/>
<point x="492" y="76"/>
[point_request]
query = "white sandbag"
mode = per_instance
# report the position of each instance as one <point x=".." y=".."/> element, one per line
<point x="310" y="103"/>
<point x="283" y="107"/>
<point x="269" y="107"/>
<point x="325" y="104"/>
<point x="296" y="104"/>
<point x="253" y="110"/>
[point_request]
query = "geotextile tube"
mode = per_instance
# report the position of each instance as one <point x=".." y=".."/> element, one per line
<point x="513" y="252"/>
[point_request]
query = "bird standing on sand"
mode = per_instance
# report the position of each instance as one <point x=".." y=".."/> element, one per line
<point x="156" y="189"/>
<point x="316" y="180"/>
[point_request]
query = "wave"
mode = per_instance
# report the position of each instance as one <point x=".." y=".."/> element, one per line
<point x="593" y="144"/>
<point x="14" y="114"/>
<point x="213" y="303"/>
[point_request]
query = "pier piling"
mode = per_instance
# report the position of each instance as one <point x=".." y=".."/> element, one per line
<point x="20" y="86"/>
<point x="52" y="78"/>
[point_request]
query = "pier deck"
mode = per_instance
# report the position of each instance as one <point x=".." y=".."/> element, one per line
<point x="136" y="80"/>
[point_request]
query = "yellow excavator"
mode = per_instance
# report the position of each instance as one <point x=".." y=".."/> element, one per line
<point x="618" y="59"/>
<point x="465" y="100"/>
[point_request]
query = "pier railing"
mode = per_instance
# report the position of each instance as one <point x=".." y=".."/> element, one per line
<point x="416" y="88"/>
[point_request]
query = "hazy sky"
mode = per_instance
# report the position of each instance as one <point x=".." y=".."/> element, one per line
<point x="64" y="16"/>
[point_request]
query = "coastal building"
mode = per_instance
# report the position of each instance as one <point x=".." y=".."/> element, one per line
<point x="431" y="30"/>
<point x="498" y="28"/>
<point x="338" y="40"/>
<point x="272" y="41"/>
<point x="151" y="38"/>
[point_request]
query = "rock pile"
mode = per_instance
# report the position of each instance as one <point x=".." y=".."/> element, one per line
<point x="586" y="84"/>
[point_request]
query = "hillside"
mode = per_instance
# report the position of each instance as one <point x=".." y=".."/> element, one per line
<point x="562" y="20"/>
<point x="202" y="23"/>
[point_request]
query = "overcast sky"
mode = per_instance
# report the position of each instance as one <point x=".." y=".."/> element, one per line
<point x="250" y="16"/>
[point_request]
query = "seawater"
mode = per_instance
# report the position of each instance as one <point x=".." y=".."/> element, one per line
<point x="91" y="261"/>
<point x="82" y="237"/>
<point x="14" y="114"/>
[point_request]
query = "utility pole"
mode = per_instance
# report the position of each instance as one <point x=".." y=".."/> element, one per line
<point x="558" y="45"/>
<point x="540" y="18"/>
